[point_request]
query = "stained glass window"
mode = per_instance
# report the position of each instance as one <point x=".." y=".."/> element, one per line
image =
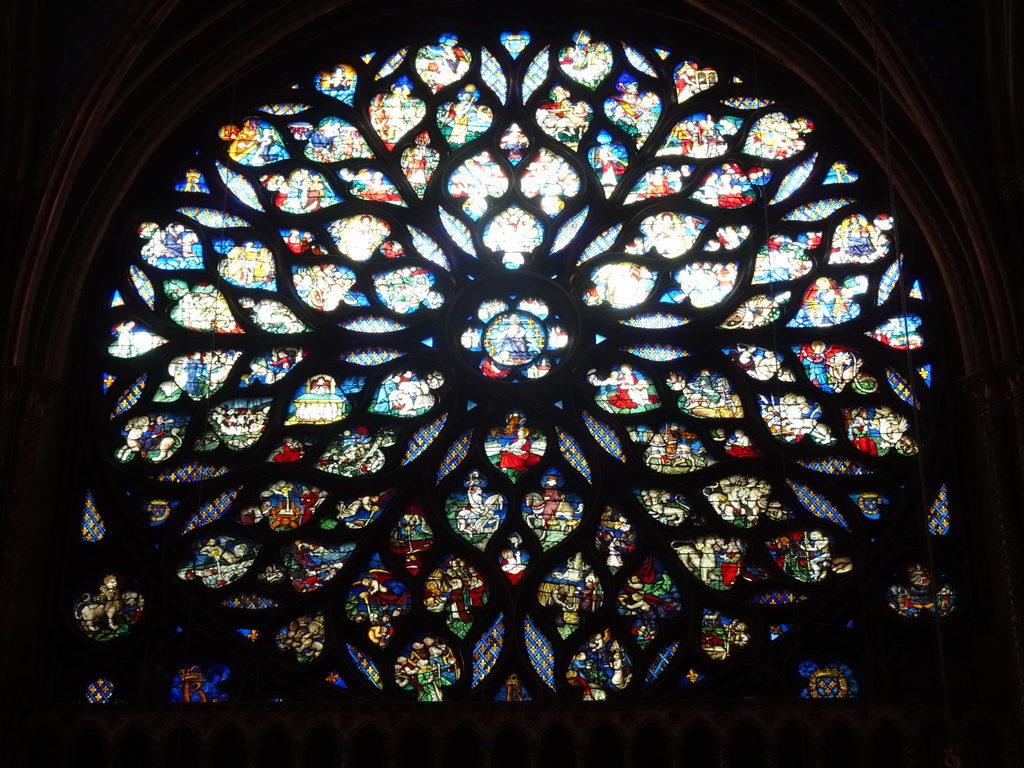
<point x="508" y="367"/>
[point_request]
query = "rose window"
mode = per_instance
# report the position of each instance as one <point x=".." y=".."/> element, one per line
<point x="507" y="368"/>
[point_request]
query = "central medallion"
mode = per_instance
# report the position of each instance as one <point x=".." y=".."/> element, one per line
<point x="514" y="338"/>
<point x="518" y="331"/>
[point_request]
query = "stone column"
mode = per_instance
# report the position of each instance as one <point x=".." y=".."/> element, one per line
<point x="32" y="419"/>
<point x="997" y="402"/>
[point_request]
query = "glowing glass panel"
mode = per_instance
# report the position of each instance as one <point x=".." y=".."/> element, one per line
<point x="391" y="64"/>
<point x="730" y="186"/>
<point x="564" y="119"/>
<point x="569" y="230"/>
<point x="93" y="528"/>
<point x="292" y="108"/>
<point x="458" y="232"/>
<point x="938" y="513"/>
<point x="487" y="649"/>
<point x="900" y="332"/>
<point x="249" y="602"/>
<point x="365" y="184"/>
<point x="605" y="436"/>
<point x="637" y="60"/>
<point x="373" y="324"/>
<point x="903" y="388"/>
<point x="514" y="233"/>
<point x="818" y="210"/>
<point x="700" y="136"/>
<point x="428" y="248"/>
<point x="550" y="178"/>
<point x="515" y="42"/>
<point x="193" y="181"/>
<point x="540" y="652"/>
<point x="573" y="454"/>
<point x="654" y="321"/>
<point x="634" y="111"/>
<point x="395" y="113"/>
<point x="601" y="243"/>
<point x="130" y="397"/>
<point x="828" y="302"/>
<point x="587" y="61"/>
<point x="422" y="439"/>
<point x="493" y="75"/>
<point x="339" y="83"/>
<point x="660" y="181"/>
<point x="774" y="136"/>
<point x="372" y="356"/>
<point x="828" y="681"/>
<point x="657" y="352"/>
<point x="213" y="219"/>
<point x="703" y="284"/>
<point x="794" y="180"/>
<point x="143" y="285"/>
<point x="99" y="691"/>
<point x="840" y="173"/>
<point x="456" y="455"/>
<point x="240" y="187"/>
<point x="609" y="159"/>
<point x="918" y="595"/>
<point x="690" y="79"/>
<point x="443" y="63"/>
<point x="535" y="75"/>
<point x="777" y="597"/>
<point x="254" y="143"/>
<point x="818" y="505"/>
<point x="365" y="665"/>
<point x="747" y="102"/>
<point x="211" y="511"/>
<point x="192" y="473"/>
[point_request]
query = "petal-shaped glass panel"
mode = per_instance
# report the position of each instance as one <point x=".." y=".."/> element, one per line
<point x="339" y="83"/>
<point x="550" y="178"/>
<point x="691" y="79"/>
<point x="376" y="600"/>
<point x="569" y="593"/>
<point x="478" y="178"/>
<point x="634" y="111"/>
<point x="302" y="191"/>
<point x="586" y="61"/>
<point x="396" y="112"/>
<point x="335" y="140"/>
<point x="442" y="63"/>
<point x="218" y="561"/>
<point x="621" y="284"/>
<point x="254" y="143"/>
<point x="464" y="120"/>
<point x="455" y="590"/>
<point x="701" y="135"/>
<point x="563" y="118"/>
<point x="600" y="666"/>
<point x="774" y="136"/>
